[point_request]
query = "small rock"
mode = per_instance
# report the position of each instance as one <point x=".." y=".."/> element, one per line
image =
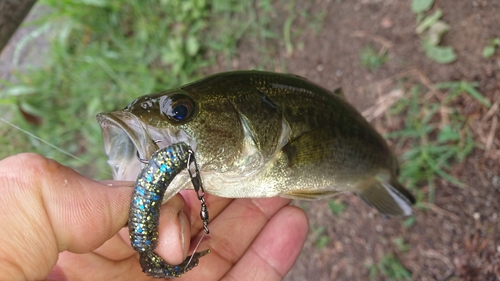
<point x="386" y="22"/>
<point x="496" y="181"/>
<point x="476" y="215"/>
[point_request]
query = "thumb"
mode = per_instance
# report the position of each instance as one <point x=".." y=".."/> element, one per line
<point x="47" y="208"/>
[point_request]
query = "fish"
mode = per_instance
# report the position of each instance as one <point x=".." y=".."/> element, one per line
<point x="259" y="134"/>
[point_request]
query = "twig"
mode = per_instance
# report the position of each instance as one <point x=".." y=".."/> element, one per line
<point x="336" y="269"/>
<point x="440" y="211"/>
<point x="492" y="110"/>
<point x="425" y="80"/>
<point x="382" y="104"/>
<point x="444" y="259"/>
<point x="387" y="100"/>
<point x="478" y="129"/>
<point x="386" y="44"/>
<point x="491" y="135"/>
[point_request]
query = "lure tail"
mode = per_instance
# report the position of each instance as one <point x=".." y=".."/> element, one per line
<point x="154" y="266"/>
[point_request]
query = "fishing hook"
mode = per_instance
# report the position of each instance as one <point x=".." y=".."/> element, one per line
<point x="142" y="160"/>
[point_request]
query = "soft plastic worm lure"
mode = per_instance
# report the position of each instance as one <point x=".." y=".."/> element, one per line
<point x="147" y="197"/>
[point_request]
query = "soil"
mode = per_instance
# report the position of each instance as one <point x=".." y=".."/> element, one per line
<point x="455" y="238"/>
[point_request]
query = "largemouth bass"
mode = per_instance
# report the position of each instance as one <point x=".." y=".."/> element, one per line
<point x="259" y="134"/>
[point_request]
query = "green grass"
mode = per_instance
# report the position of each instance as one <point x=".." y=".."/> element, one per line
<point x="435" y="136"/>
<point x="410" y="221"/>
<point x="400" y="243"/>
<point x="431" y="29"/>
<point x="321" y="240"/>
<point x="336" y="206"/>
<point x="390" y="268"/>
<point x="372" y="59"/>
<point x="105" y="53"/>
<point x="489" y="50"/>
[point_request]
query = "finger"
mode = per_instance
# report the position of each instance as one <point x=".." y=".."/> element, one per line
<point x="95" y="267"/>
<point x="174" y="231"/>
<point x="48" y="208"/>
<point x="231" y="233"/>
<point x="117" y="248"/>
<point x="117" y="258"/>
<point x="172" y="241"/>
<point x="276" y="248"/>
<point x="174" y="235"/>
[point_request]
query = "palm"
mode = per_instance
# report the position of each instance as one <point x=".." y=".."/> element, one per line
<point x="245" y="235"/>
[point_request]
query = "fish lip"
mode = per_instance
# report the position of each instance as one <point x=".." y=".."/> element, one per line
<point x="125" y="140"/>
<point x="128" y="142"/>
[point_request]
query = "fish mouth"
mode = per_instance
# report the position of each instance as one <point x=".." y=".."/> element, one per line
<point x="129" y="142"/>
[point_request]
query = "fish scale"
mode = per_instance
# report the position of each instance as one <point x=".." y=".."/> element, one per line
<point x="151" y="184"/>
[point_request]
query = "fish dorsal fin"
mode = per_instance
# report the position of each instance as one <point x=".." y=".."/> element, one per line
<point x="386" y="198"/>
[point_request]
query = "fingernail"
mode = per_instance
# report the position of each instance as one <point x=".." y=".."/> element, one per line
<point x="181" y="216"/>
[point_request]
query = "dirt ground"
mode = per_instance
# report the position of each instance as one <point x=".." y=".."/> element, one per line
<point x="458" y="237"/>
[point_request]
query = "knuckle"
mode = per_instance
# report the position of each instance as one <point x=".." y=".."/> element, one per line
<point x="31" y="165"/>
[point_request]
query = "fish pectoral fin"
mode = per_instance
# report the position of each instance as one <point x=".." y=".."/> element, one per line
<point x="309" y="194"/>
<point x="387" y="199"/>
<point x="310" y="148"/>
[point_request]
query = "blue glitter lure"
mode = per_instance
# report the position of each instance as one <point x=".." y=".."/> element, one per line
<point x="145" y="205"/>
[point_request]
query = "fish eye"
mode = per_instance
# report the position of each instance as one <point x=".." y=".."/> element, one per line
<point x="178" y="108"/>
<point x="180" y="112"/>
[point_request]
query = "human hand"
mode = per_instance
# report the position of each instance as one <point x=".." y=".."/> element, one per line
<point x="59" y="225"/>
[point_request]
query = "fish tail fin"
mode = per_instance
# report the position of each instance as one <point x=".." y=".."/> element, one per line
<point x="389" y="198"/>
